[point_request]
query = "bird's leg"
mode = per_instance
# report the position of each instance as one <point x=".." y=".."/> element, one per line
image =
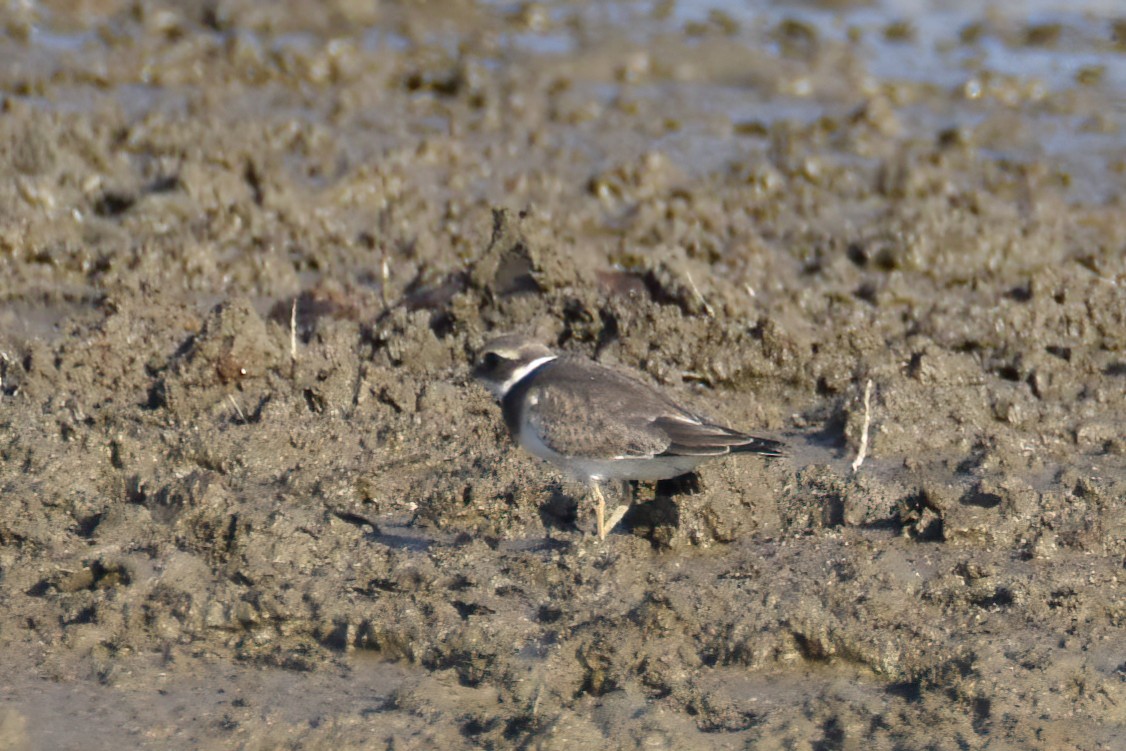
<point x="620" y="510"/>
<point x="616" y="516"/>
<point x="600" y="509"/>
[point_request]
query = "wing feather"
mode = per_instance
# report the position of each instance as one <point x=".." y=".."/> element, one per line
<point x="698" y="438"/>
<point x="569" y="422"/>
<point x="621" y="417"/>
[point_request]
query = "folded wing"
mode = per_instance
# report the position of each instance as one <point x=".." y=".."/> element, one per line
<point x="688" y="437"/>
<point x="574" y="417"/>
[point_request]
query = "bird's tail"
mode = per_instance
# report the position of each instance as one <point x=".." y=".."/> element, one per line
<point x="760" y="446"/>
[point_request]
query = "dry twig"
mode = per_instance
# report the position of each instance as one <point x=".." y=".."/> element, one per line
<point x="238" y="409"/>
<point x="293" y="331"/>
<point x="699" y="297"/>
<point x="862" y="453"/>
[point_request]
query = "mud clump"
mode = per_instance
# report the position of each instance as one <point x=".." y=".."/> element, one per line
<point x="233" y="352"/>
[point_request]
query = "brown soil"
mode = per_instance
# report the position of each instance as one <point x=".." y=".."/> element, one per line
<point x="223" y="527"/>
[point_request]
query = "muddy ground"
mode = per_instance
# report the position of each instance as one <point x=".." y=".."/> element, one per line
<point x="226" y="522"/>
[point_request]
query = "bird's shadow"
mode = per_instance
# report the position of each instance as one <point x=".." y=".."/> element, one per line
<point x="560" y="511"/>
<point x="652" y="517"/>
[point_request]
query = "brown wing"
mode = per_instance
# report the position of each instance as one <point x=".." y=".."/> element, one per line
<point x="580" y="408"/>
<point x="700" y="438"/>
<point x="586" y="409"/>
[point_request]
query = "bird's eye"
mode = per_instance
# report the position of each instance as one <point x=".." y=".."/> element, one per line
<point x="490" y="360"/>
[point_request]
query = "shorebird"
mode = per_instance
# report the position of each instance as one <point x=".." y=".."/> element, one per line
<point x="598" y="423"/>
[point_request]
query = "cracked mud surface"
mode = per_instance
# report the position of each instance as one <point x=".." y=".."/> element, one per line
<point x="229" y="522"/>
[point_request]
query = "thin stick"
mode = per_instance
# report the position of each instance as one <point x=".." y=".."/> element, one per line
<point x="384" y="267"/>
<point x="238" y="409"/>
<point x="599" y="510"/>
<point x="616" y="517"/>
<point x="696" y="290"/>
<point x="293" y="331"/>
<point x="384" y="278"/>
<point x="863" y="452"/>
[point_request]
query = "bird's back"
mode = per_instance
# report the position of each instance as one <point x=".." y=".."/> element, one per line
<point x="579" y="408"/>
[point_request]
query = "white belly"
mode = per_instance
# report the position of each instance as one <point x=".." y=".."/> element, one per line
<point x="649" y="469"/>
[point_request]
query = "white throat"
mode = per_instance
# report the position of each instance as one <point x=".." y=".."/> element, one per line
<point x="501" y="390"/>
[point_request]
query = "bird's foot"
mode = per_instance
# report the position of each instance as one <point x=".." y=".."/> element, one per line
<point x="616" y="517"/>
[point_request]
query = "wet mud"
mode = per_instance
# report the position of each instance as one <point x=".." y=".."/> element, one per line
<point x="250" y="496"/>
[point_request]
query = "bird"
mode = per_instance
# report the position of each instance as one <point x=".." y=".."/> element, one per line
<point x="598" y="423"/>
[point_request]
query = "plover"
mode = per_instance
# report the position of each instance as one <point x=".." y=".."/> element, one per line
<point x="597" y="423"/>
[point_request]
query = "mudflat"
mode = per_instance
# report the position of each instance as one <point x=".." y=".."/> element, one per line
<point x="250" y="496"/>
